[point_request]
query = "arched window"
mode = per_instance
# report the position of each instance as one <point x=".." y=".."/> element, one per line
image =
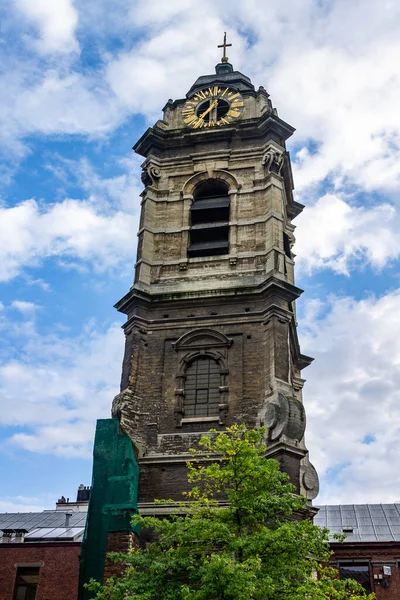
<point x="202" y="383"/>
<point x="209" y="219"/>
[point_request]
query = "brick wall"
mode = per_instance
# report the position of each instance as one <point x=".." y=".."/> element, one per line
<point x="59" y="569"/>
<point x="377" y="555"/>
<point x="118" y="541"/>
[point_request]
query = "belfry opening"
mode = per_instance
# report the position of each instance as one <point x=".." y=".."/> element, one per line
<point x="209" y="219"/>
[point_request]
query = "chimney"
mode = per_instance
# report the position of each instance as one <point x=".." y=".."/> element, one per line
<point x="20" y="535"/>
<point x="68" y="516"/>
<point x="83" y="493"/>
<point x="7" y="535"/>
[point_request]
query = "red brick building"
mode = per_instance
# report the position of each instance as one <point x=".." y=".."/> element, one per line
<point x="371" y="551"/>
<point x="41" y="571"/>
<point x="39" y="554"/>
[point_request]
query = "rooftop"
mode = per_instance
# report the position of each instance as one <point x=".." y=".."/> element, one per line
<point x="361" y="522"/>
<point x="46" y="526"/>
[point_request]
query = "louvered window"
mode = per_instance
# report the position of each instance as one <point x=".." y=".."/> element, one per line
<point x="209" y="219"/>
<point x="202" y="388"/>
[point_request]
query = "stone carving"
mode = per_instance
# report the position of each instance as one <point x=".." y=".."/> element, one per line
<point x="273" y="161"/>
<point x="126" y="408"/>
<point x="310" y="480"/>
<point x="150" y="174"/>
<point x="285" y="416"/>
<point x="201" y="338"/>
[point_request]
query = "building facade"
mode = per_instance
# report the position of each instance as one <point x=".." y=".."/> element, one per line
<point x="370" y="553"/>
<point x="211" y="335"/>
<point x="40" y="553"/>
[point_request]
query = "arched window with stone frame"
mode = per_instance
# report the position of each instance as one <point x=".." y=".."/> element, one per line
<point x="201" y="390"/>
<point x="202" y="383"/>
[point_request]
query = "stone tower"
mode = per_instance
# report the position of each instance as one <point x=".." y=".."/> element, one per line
<point x="211" y="332"/>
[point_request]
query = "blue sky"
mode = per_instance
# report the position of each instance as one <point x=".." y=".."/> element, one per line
<point x="80" y="82"/>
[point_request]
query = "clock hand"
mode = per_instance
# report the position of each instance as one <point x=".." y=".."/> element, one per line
<point x="208" y="109"/>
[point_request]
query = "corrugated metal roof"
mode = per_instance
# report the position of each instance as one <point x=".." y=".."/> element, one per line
<point x="43" y="523"/>
<point x="361" y="522"/>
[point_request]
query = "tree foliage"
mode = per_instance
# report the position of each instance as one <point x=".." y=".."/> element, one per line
<point x="238" y="536"/>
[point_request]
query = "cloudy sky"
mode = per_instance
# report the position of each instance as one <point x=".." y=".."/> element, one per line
<point x="80" y="81"/>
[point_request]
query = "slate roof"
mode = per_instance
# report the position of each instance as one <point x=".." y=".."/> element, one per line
<point x="234" y="78"/>
<point x="45" y="526"/>
<point x="361" y="522"/>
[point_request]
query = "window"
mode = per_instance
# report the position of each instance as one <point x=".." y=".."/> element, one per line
<point x="357" y="571"/>
<point x="202" y="388"/>
<point x="26" y="583"/>
<point x="286" y="245"/>
<point x="209" y="219"/>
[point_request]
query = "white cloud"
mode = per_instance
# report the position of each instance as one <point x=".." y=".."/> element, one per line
<point x="58" y="386"/>
<point x="319" y="74"/>
<point x="70" y="229"/>
<point x="122" y="191"/>
<point x="352" y="396"/>
<point x="144" y="78"/>
<point x="56" y="22"/>
<point x="26" y="308"/>
<point x="17" y="504"/>
<point x="338" y="86"/>
<point x="334" y="234"/>
<point x="37" y="282"/>
<point x="70" y="439"/>
<point x="50" y="101"/>
<point x="348" y="113"/>
<point x="145" y="14"/>
<point x="65" y="103"/>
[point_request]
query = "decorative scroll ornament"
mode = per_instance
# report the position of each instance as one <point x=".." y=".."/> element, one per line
<point x="150" y="174"/>
<point x="285" y="416"/>
<point x="310" y="481"/>
<point x="273" y="161"/>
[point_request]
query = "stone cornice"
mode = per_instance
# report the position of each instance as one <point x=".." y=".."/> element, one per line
<point x="156" y="138"/>
<point x="270" y="286"/>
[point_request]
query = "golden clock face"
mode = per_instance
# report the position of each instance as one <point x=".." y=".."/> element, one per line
<point x="213" y="107"/>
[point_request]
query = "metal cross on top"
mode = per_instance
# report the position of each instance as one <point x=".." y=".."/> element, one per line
<point x="224" y="46"/>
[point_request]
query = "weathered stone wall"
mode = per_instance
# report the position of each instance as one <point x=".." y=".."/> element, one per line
<point x="259" y="363"/>
<point x="258" y="219"/>
<point x="247" y="296"/>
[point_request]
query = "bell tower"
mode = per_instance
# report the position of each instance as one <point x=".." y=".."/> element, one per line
<point x="211" y="334"/>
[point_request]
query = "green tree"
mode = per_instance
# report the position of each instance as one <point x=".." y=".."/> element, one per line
<point x="239" y="536"/>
